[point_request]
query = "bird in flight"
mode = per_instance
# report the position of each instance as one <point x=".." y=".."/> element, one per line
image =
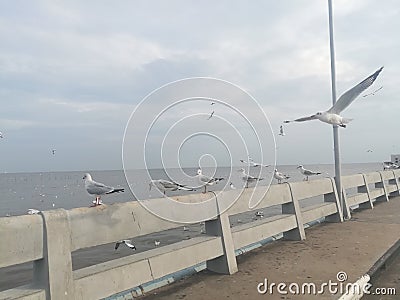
<point x="252" y="163"/>
<point x="127" y="243"/>
<point x="98" y="189"/>
<point x="373" y="93"/>
<point x="281" y="131"/>
<point x="210" y="116"/>
<point x="53" y="151"/>
<point x="332" y="116"/>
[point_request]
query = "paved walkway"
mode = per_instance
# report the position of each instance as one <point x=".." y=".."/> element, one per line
<point x="351" y="247"/>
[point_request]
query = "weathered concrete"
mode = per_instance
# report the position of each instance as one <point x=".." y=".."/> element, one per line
<point x="21" y="239"/>
<point x="351" y="247"/>
<point x="54" y="271"/>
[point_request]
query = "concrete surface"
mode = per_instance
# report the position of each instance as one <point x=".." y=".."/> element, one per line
<point x="351" y="247"/>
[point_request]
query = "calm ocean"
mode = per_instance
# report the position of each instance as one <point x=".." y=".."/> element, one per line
<point x="48" y="190"/>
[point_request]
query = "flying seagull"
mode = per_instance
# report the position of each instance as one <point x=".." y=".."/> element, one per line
<point x="98" y="189"/>
<point x="281" y="132"/>
<point x="248" y="178"/>
<point x="53" y="151"/>
<point x="127" y="243"/>
<point x="166" y="185"/>
<point x="373" y="93"/>
<point x="205" y="180"/>
<point x="157" y="243"/>
<point x="279" y="176"/>
<point x="306" y="172"/>
<point x="212" y="113"/>
<point x="1" y="135"/>
<point x="332" y="116"/>
<point x="252" y="163"/>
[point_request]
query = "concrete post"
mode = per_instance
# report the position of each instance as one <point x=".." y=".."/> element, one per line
<point x="382" y="184"/>
<point x="346" y="210"/>
<point x="395" y="182"/>
<point x="225" y="264"/>
<point x="365" y="189"/>
<point x="333" y="197"/>
<point x="54" y="271"/>
<point x="296" y="234"/>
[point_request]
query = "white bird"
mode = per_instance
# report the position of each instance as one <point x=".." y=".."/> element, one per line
<point x="259" y="213"/>
<point x="205" y="180"/>
<point x="32" y="211"/>
<point x="157" y="243"/>
<point x="248" y="178"/>
<point x="281" y="131"/>
<point x="53" y="151"/>
<point x="252" y="163"/>
<point x="127" y="243"/>
<point x="232" y="186"/>
<point x="332" y="116"/>
<point x="185" y="228"/>
<point x="98" y="189"/>
<point x="1" y="135"/>
<point x="210" y="116"/>
<point x="388" y="165"/>
<point x="306" y="172"/>
<point x="166" y="185"/>
<point x="279" y="176"/>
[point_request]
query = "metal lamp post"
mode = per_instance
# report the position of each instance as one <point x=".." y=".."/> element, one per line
<point x="336" y="144"/>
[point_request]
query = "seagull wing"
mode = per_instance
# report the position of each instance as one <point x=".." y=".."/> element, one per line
<point x="96" y="188"/>
<point x="130" y="245"/>
<point x="313" y="117"/>
<point x="349" y="96"/>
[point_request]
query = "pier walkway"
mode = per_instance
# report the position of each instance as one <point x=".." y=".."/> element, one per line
<point x="351" y="247"/>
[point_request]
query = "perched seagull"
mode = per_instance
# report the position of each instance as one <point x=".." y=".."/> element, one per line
<point x="252" y="163"/>
<point x="306" y="172"/>
<point x="157" y="243"/>
<point x="388" y="165"/>
<point x="33" y="211"/>
<point x="259" y="213"/>
<point x="332" y="116"/>
<point x="373" y="93"/>
<point x="98" y="189"/>
<point x="248" y="178"/>
<point x="205" y="180"/>
<point x="279" y="176"/>
<point x="165" y="185"/>
<point x="281" y="132"/>
<point x="128" y="243"/>
<point x="211" y="115"/>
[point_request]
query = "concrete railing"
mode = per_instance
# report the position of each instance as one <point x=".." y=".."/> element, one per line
<point x="49" y="238"/>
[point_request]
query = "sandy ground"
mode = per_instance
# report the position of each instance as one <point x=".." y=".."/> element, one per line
<point x="351" y="247"/>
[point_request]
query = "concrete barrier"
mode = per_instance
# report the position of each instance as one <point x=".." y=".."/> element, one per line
<point x="49" y="238"/>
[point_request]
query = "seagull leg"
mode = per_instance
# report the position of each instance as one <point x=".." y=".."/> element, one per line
<point x="205" y="189"/>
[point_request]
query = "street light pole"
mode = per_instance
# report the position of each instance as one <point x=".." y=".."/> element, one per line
<point x="336" y="144"/>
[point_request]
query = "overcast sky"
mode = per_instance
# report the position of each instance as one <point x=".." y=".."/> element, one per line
<point x="72" y="72"/>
